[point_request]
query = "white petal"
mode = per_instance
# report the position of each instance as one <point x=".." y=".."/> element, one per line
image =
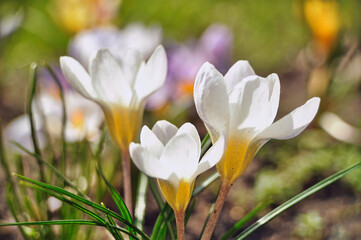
<point x="254" y="102"/>
<point x="293" y="123"/>
<point x="211" y="98"/>
<point x="18" y="130"/>
<point x="108" y="80"/>
<point x="164" y="131"/>
<point x="191" y="130"/>
<point x="130" y="63"/>
<point x="77" y="77"/>
<point x="150" y="141"/>
<point x="211" y="157"/>
<point x="152" y="75"/>
<point x="236" y="73"/>
<point x="180" y="154"/>
<point x="148" y="163"/>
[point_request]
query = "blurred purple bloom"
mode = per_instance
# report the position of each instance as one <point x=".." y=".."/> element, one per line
<point x="184" y="61"/>
<point x="48" y="81"/>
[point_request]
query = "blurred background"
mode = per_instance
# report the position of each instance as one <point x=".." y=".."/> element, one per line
<point x="313" y="45"/>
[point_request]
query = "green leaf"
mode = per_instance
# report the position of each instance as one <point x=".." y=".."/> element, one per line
<point x="296" y="199"/>
<point x="64" y="222"/>
<point x="83" y="200"/>
<point x="205" y="184"/>
<point x="113" y="231"/>
<point x="236" y="227"/>
<point x="164" y="209"/>
<point x="117" y="199"/>
<point x="51" y="167"/>
<point x="206" y="143"/>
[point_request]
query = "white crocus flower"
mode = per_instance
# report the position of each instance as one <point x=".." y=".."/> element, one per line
<point x="134" y="36"/>
<point x="84" y="117"/>
<point x="19" y="131"/>
<point x="120" y="87"/>
<point x="83" y="121"/>
<point x="242" y="106"/>
<point x="172" y="156"/>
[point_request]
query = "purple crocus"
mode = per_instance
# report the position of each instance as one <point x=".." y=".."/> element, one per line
<point x="184" y="61"/>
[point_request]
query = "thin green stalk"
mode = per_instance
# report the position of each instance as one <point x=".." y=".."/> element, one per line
<point x="3" y="159"/>
<point x="10" y="199"/>
<point x="207" y="219"/>
<point x="64" y="116"/>
<point x="52" y="168"/>
<point x="33" y="68"/>
<point x="296" y="199"/>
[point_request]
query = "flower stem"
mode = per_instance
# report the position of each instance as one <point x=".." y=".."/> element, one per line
<point x="127" y="181"/>
<point x="225" y="187"/>
<point x="179" y="218"/>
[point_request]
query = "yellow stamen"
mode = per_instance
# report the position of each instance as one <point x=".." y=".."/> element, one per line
<point x="77" y="118"/>
<point x="123" y="124"/>
<point x="179" y="198"/>
<point x="238" y="155"/>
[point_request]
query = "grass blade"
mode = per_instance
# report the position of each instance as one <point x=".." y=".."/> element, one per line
<point x="206" y="143"/>
<point x="83" y="200"/>
<point x="33" y="68"/>
<point x="163" y="206"/>
<point x="51" y="167"/>
<point x="236" y="227"/>
<point x="116" y="197"/>
<point x="84" y="210"/>
<point x="205" y="184"/>
<point x="113" y="231"/>
<point x="296" y="199"/>
<point x="64" y="222"/>
<point x="64" y="116"/>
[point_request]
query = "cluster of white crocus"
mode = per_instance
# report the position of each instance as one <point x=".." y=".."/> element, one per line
<point x="172" y="156"/>
<point x="120" y="87"/>
<point x="238" y="110"/>
<point x="242" y="106"/>
<point x="83" y="120"/>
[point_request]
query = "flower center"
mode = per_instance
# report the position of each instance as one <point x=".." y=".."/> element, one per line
<point x="123" y="124"/>
<point x="77" y="118"/>
<point x="177" y="198"/>
<point x="235" y="159"/>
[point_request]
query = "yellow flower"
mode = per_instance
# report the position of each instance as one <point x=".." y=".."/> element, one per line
<point x="324" y="20"/>
<point x="76" y="15"/>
